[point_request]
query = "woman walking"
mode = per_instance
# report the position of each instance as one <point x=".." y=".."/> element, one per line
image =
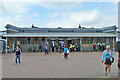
<point x="107" y="59"/>
<point x="66" y="52"/>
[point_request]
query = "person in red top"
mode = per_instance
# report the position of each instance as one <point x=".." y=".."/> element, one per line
<point x="94" y="47"/>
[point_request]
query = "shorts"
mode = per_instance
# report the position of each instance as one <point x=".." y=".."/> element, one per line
<point x="107" y="61"/>
<point x="66" y="56"/>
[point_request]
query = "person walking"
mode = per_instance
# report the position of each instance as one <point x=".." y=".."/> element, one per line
<point x="73" y="47"/>
<point x="100" y="46"/>
<point x="59" y="49"/>
<point x="77" y="48"/>
<point x="63" y="48"/>
<point x="119" y="59"/>
<point x="104" y="45"/>
<point x="119" y="63"/>
<point x="18" y="53"/>
<point x="66" y="52"/>
<point x="70" y="47"/>
<point x="119" y="54"/>
<point x="94" y="47"/>
<point x="107" y="57"/>
<point x="46" y="50"/>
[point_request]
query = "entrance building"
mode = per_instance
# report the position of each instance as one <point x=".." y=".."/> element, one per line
<point x="34" y="39"/>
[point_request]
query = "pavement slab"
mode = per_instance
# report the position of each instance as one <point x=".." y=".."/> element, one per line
<point x="37" y="65"/>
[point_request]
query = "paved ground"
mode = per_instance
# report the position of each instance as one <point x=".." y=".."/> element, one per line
<point x="36" y="65"/>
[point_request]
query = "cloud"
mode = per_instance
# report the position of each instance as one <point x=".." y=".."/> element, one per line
<point x="16" y="12"/>
<point x="59" y="5"/>
<point x="36" y="14"/>
<point x="85" y="18"/>
<point x="14" y="8"/>
<point x="60" y="0"/>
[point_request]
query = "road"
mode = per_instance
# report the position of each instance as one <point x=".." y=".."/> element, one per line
<point x="37" y="65"/>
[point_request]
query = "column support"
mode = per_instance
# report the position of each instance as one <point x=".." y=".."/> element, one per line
<point x="6" y="45"/>
<point x="113" y="44"/>
<point x="80" y="44"/>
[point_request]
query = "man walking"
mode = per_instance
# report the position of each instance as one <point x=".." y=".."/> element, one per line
<point x="70" y="47"/>
<point x="18" y="53"/>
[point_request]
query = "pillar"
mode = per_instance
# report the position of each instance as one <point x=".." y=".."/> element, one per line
<point x="13" y="44"/>
<point x="113" y="44"/>
<point x="107" y="41"/>
<point x="6" y="46"/>
<point x="45" y="41"/>
<point x="81" y="44"/>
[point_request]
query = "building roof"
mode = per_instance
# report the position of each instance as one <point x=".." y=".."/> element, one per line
<point x="60" y="32"/>
<point x="68" y="30"/>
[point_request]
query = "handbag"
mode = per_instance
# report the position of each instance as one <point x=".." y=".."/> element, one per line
<point x="112" y="60"/>
<point x="67" y="51"/>
<point x="119" y="63"/>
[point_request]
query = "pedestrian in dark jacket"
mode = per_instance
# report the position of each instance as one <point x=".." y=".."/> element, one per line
<point x="18" y="53"/>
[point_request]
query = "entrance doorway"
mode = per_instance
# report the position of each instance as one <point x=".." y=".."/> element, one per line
<point x="61" y="42"/>
<point x="52" y="45"/>
<point x="69" y="42"/>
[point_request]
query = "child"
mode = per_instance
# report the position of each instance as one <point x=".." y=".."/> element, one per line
<point x="46" y="50"/>
<point x="65" y="52"/>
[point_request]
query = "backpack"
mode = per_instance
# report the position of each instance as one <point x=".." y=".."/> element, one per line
<point x="112" y="57"/>
<point x="118" y="63"/>
<point x="67" y="51"/>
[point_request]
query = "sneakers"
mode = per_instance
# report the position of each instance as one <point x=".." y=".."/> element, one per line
<point x="17" y="63"/>
<point x="106" y="73"/>
<point x="109" y="75"/>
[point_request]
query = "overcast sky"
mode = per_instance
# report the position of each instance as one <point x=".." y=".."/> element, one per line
<point x="58" y="14"/>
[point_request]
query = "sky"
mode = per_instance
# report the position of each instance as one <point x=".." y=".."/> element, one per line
<point x="55" y="14"/>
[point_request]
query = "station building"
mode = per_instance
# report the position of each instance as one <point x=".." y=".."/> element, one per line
<point x="2" y="42"/>
<point x="118" y="43"/>
<point x="34" y="39"/>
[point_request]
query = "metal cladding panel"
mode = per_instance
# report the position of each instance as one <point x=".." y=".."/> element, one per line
<point x="11" y="26"/>
<point x="75" y="30"/>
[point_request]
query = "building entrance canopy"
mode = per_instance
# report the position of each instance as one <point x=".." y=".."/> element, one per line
<point x="60" y="35"/>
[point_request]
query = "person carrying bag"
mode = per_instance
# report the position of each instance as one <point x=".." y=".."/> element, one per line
<point x="119" y="58"/>
<point x="107" y="59"/>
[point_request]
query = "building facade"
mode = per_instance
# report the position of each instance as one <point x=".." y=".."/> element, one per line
<point x="2" y="42"/>
<point x="34" y="39"/>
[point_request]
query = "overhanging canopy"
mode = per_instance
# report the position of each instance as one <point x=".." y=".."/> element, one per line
<point x="60" y="35"/>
